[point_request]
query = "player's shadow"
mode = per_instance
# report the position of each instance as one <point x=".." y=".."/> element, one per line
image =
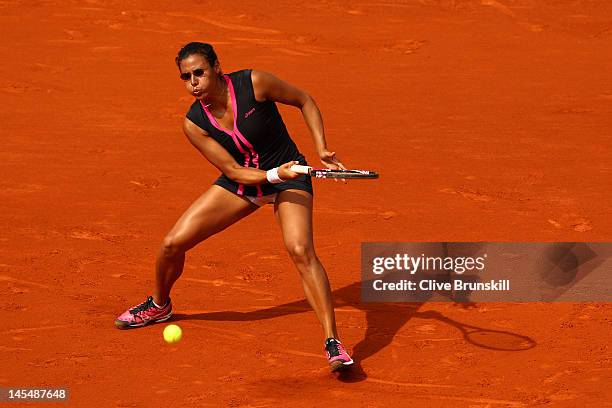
<point x="384" y="320"/>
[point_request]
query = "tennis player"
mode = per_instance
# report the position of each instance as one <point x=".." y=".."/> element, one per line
<point x="234" y="122"/>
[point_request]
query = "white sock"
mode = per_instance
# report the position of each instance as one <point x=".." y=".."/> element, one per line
<point x="158" y="306"/>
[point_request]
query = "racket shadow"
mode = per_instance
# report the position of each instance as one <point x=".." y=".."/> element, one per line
<point x="491" y="339"/>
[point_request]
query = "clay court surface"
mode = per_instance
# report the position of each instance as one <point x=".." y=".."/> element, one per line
<point x="488" y="120"/>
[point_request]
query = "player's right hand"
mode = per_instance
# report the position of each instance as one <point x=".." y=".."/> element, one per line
<point x="285" y="173"/>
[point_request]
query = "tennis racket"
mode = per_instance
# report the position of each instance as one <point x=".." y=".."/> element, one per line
<point x="334" y="174"/>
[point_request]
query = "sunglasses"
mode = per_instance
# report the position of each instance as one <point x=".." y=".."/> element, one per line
<point x="186" y="76"/>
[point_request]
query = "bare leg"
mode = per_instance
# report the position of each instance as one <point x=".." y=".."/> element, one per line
<point x="212" y="212"/>
<point x="293" y="210"/>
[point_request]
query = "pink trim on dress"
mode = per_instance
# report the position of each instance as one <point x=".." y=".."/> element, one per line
<point x="243" y="139"/>
<point x="214" y="122"/>
<point x="236" y="135"/>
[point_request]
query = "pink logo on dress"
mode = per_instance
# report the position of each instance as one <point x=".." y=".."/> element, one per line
<point x="246" y="115"/>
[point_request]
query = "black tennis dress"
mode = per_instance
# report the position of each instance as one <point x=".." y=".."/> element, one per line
<point x="260" y="138"/>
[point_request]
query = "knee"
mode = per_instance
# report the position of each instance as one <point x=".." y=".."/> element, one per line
<point x="172" y="246"/>
<point x="300" y="252"/>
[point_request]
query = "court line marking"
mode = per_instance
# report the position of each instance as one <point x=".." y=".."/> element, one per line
<point x="227" y="26"/>
<point x="235" y="285"/>
<point x="222" y="332"/>
<point x="409" y="384"/>
<point x="4" y="348"/>
<point x="447" y="397"/>
<point x="7" y="278"/>
<point x="29" y="329"/>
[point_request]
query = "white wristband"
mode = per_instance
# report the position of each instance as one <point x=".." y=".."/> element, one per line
<point x="272" y="176"/>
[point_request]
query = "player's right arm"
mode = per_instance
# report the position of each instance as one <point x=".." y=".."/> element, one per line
<point x="221" y="159"/>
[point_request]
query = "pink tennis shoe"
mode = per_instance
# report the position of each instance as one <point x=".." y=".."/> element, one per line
<point x="337" y="356"/>
<point x="144" y="313"/>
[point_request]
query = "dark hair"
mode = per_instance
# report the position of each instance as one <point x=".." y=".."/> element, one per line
<point x="203" y="49"/>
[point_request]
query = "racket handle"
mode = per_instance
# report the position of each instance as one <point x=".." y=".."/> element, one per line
<point x="298" y="168"/>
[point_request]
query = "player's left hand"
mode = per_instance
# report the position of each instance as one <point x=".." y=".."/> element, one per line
<point x="330" y="161"/>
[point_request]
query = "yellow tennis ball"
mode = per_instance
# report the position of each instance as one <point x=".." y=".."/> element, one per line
<point x="172" y="333"/>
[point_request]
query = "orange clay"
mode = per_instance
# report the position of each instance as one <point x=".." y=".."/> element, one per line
<point x="487" y="120"/>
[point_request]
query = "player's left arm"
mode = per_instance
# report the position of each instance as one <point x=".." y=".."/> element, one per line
<point x="267" y="87"/>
